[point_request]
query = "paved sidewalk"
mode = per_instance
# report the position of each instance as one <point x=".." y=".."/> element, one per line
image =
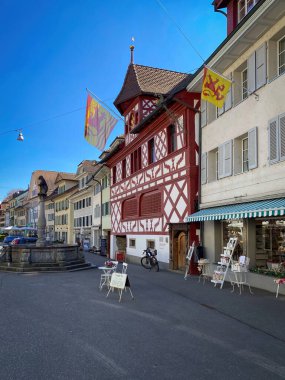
<point x="260" y="310"/>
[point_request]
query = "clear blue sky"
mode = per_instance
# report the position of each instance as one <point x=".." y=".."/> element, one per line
<point x="52" y="50"/>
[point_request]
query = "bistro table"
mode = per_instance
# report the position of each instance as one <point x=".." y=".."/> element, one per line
<point x="105" y="276"/>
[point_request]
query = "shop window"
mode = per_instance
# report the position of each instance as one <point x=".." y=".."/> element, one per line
<point x="234" y="229"/>
<point x="270" y="242"/>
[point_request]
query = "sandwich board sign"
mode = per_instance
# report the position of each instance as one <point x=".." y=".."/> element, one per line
<point x="120" y="281"/>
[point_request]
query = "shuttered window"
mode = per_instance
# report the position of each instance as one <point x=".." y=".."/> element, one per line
<point x="273" y="141"/>
<point x="129" y="208"/>
<point x="150" y="204"/>
<point x="225" y="159"/>
<point x="228" y="101"/>
<point x="257" y="72"/>
<point x="252" y="148"/>
<point x="276" y="139"/>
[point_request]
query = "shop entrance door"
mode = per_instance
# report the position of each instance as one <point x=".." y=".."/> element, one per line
<point x="181" y="250"/>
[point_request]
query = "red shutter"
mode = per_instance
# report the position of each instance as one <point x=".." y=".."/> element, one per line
<point x="129" y="208"/>
<point x="151" y="204"/>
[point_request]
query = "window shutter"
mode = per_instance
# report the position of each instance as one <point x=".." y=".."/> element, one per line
<point x="228" y="101"/>
<point x="282" y="136"/>
<point x="252" y="148"/>
<point x="228" y="148"/>
<point x="204" y="168"/>
<point x="273" y="140"/>
<point x="203" y="113"/>
<point x="221" y="161"/>
<point x="261" y="66"/>
<point x="251" y="73"/>
<point x="220" y="110"/>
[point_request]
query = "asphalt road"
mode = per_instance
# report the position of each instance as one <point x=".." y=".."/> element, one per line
<point x="61" y="326"/>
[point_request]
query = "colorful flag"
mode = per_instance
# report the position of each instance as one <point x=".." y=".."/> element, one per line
<point x="99" y="123"/>
<point x="215" y="87"/>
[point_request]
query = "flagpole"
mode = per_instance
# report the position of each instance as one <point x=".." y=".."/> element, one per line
<point x="101" y="101"/>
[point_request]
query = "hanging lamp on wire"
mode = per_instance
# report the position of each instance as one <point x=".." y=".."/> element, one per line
<point x="20" y="136"/>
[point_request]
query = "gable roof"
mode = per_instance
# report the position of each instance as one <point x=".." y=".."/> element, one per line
<point x="49" y="176"/>
<point x="65" y="176"/>
<point x="146" y="80"/>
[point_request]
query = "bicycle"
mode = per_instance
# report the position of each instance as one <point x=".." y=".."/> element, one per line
<point x="149" y="261"/>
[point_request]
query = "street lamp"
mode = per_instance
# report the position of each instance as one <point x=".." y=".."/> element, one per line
<point x="20" y="135"/>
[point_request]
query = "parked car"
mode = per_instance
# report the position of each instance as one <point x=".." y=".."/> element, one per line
<point x="12" y="239"/>
<point x="8" y="239"/>
<point x="18" y="240"/>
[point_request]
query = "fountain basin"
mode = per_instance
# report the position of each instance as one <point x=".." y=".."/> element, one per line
<point x="30" y="258"/>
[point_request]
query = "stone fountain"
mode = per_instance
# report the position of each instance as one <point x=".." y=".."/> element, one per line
<point x="42" y="256"/>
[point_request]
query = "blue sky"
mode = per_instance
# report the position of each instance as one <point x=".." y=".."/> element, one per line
<point x="52" y="50"/>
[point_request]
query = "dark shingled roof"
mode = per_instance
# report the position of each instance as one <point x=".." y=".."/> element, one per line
<point x="145" y="80"/>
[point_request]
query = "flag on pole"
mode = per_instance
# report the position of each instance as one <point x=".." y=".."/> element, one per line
<point x="215" y="87"/>
<point x="99" y="123"/>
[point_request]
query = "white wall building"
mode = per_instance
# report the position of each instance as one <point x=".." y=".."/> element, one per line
<point x="243" y="144"/>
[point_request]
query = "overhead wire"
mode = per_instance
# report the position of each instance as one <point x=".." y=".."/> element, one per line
<point x="180" y="29"/>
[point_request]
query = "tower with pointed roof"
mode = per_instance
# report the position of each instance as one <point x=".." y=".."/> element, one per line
<point x="154" y="170"/>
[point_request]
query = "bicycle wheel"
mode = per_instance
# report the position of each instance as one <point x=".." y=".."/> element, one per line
<point x="155" y="266"/>
<point x="145" y="262"/>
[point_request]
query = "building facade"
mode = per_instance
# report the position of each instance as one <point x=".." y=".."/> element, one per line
<point x="242" y="144"/>
<point x="154" y="172"/>
<point x="81" y="203"/>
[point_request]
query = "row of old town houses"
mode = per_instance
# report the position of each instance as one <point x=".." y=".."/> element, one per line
<point x="147" y="189"/>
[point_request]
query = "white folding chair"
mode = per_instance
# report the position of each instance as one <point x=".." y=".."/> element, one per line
<point x="125" y="267"/>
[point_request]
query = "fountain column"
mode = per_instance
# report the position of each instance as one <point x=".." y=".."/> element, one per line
<point x="41" y="229"/>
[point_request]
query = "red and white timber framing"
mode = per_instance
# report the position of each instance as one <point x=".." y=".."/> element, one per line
<point x="175" y="175"/>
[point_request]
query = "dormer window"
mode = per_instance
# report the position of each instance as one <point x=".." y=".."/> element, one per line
<point x="244" y="7"/>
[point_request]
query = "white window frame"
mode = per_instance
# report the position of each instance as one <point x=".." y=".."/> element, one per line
<point x="244" y="84"/>
<point x="246" y="8"/>
<point x="243" y="150"/>
<point x="278" y="56"/>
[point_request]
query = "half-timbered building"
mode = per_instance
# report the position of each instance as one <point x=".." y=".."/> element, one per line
<point x="154" y="172"/>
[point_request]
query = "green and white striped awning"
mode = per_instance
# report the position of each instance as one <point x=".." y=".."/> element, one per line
<point x="271" y="207"/>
